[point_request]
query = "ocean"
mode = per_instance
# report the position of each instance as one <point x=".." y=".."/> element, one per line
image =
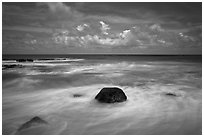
<point x="164" y="94"/>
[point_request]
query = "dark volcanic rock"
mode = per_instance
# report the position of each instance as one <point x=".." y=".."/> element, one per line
<point x="11" y="66"/>
<point x="29" y="60"/>
<point x="21" y="60"/>
<point x="33" y="122"/>
<point x="171" y="94"/>
<point x="111" y="95"/>
<point x="24" y="60"/>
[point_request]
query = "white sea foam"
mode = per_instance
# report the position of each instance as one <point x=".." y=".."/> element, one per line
<point x="8" y="61"/>
<point x="145" y="112"/>
<point x="36" y="64"/>
<point x="109" y="68"/>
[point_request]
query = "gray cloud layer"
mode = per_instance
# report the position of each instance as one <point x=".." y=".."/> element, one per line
<point x="75" y="25"/>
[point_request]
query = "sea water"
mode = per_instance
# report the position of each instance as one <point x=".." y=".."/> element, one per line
<point x="46" y="88"/>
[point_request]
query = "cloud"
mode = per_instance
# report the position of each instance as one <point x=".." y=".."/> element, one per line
<point x="60" y="11"/>
<point x="141" y="36"/>
<point x="69" y="25"/>
<point x="82" y="27"/>
<point x="104" y="27"/>
<point x="98" y="40"/>
<point x="29" y="29"/>
<point x="87" y="40"/>
<point x="58" y="6"/>
<point x="156" y="27"/>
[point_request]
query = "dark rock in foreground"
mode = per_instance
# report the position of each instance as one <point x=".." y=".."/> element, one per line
<point x="111" y="95"/>
<point x="33" y="122"/>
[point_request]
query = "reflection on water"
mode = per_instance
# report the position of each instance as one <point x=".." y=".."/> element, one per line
<point x="47" y="88"/>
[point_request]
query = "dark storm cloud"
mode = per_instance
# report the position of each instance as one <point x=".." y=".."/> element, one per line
<point x="95" y="27"/>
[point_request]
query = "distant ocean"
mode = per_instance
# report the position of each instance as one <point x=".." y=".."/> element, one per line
<point x="164" y="94"/>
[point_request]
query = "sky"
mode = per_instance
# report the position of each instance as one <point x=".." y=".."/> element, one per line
<point x="102" y="28"/>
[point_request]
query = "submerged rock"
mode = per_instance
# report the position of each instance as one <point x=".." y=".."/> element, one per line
<point x="111" y="95"/>
<point x="35" y="121"/>
<point x="77" y="95"/>
<point x="171" y="94"/>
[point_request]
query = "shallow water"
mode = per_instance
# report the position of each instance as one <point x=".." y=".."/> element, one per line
<point x="45" y="88"/>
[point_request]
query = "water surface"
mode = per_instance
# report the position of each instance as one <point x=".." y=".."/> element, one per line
<point x="46" y="88"/>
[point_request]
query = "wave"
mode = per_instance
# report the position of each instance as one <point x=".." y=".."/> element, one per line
<point x="38" y="62"/>
<point x="115" y="69"/>
<point x="33" y="64"/>
<point x="50" y="60"/>
<point x="8" y="61"/>
<point x="110" y="68"/>
<point x="102" y="69"/>
<point x="58" y="60"/>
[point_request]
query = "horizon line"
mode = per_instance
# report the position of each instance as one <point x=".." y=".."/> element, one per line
<point x="105" y="54"/>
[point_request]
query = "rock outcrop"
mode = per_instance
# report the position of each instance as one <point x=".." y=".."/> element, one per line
<point x="111" y="95"/>
<point x="24" y="60"/>
<point x="11" y="66"/>
<point x="35" y="121"/>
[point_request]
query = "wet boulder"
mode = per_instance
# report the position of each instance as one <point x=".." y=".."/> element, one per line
<point x="35" y="121"/>
<point x="111" y="95"/>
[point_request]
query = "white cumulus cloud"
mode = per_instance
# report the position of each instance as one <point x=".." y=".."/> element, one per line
<point x="104" y="27"/>
<point x="82" y="27"/>
<point x="137" y="36"/>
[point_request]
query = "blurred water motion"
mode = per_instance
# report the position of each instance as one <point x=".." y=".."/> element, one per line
<point x="46" y="88"/>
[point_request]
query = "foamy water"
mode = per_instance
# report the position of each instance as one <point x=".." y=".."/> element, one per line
<point x="47" y="91"/>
